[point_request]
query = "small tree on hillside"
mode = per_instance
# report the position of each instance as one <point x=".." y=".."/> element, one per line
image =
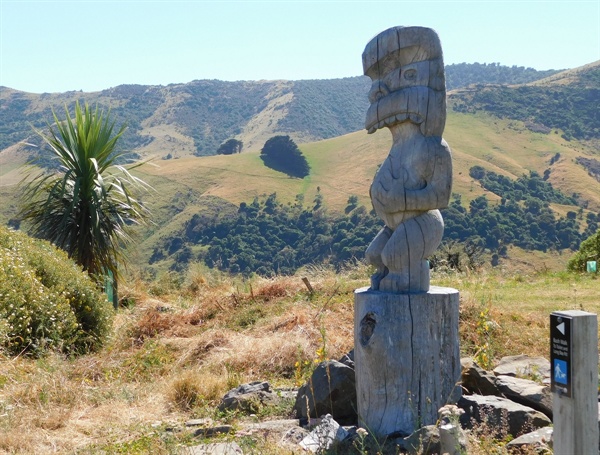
<point x="589" y="250"/>
<point x="282" y="154"/>
<point x="230" y="147"/>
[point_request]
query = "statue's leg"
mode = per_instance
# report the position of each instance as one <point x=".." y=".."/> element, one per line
<point x="373" y="256"/>
<point x="406" y="251"/>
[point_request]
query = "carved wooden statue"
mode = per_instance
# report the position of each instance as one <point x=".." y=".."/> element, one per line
<point x="408" y="96"/>
<point x="407" y="356"/>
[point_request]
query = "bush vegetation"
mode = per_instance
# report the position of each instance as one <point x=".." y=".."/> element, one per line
<point x="46" y="301"/>
<point x="588" y="251"/>
<point x="268" y="238"/>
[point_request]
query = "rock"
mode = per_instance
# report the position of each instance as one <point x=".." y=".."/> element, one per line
<point x="199" y="422"/>
<point x="324" y="435"/>
<point x="425" y="441"/>
<point x="286" y="394"/>
<point x="453" y="440"/>
<point x="500" y="415"/>
<point x="526" y="392"/>
<point x="330" y="390"/>
<point x="523" y="365"/>
<point x="348" y="359"/>
<point x="293" y="436"/>
<point x="213" y="431"/>
<point x="476" y="380"/>
<point x="249" y="397"/>
<point x="268" y="427"/>
<point x="274" y="425"/>
<point x="219" y="448"/>
<point x="540" y="439"/>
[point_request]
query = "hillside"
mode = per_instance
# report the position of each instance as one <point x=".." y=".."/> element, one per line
<point x="195" y="118"/>
<point x="342" y="167"/>
<point x="567" y="101"/>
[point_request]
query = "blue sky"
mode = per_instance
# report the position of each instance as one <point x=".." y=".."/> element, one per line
<point x="55" y="46"/>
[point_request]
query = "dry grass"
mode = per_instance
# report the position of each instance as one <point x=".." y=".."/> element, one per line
<point x="173" y="357"/>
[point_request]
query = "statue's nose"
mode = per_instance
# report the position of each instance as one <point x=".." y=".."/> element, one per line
<point x="378" y="90"/>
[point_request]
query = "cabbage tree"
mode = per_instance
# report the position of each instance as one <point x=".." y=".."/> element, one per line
<point x="87" y="206"/>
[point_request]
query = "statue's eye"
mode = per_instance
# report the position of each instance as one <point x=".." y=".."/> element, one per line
<point x="410" y="75"/>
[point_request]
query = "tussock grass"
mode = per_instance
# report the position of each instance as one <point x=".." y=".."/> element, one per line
<point x="172" y="358"/>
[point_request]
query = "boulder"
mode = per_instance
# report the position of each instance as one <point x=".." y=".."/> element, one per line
<point x="249" y="397"/>
<point x="500" y="415"/>
<point x="453" y="439"/>
<point x="539" y="441"/>
<point x="523" y="366"/>
<point x="330" y="390"/>
<point x="322" y="437"/>
<point x="526" y="392"/>
<point x="476" y="380"/>
<point x="425" y="440"/>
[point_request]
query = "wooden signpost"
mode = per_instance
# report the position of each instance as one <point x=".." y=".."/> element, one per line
<point x="574" y="381"/>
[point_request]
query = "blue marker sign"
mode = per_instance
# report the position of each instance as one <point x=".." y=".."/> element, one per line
<point x="560" y="354"/>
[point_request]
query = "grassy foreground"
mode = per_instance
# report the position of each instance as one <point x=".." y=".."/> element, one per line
<point x="182" y="342"/>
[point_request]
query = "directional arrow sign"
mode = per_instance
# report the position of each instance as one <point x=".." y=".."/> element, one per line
<point x="560" y="354"/>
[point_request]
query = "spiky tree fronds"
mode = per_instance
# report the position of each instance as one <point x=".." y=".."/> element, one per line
<point x="86" y="207"/>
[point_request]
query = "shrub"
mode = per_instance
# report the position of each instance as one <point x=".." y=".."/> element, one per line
<point x="46" y="301"/>
<point x="589" y="250"/>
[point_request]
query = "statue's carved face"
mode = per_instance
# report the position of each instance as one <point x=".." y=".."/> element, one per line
<point x="408" y="80"/>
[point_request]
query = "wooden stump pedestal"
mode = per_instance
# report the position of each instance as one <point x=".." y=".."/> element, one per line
<point x="407" y="358"/>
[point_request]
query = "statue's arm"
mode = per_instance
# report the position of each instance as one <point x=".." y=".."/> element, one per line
<point x="387" y="191"/>
<point x="437" y="191"/>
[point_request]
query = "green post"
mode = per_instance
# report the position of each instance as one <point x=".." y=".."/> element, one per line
<point x="110" y="287"/>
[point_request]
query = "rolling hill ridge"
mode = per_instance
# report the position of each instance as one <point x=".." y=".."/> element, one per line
<point x="342" y="166"/>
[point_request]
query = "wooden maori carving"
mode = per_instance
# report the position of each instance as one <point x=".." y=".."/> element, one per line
<point x="408" y="96"/>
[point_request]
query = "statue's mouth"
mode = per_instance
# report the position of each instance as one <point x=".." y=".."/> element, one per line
<point x="409" y="104"/>
<point x="395" y="119"/>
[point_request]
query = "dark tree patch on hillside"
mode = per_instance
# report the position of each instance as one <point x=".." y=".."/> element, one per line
<point x="282" y="154"/>
<point x="230" y="147"/>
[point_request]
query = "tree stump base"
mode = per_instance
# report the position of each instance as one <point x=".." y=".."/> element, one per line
<point x="407" y="358"/>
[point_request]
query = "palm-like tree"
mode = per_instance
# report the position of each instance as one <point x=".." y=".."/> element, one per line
<point x="86" y="207"/>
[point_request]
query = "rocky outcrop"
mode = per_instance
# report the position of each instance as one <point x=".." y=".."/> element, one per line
<point x="249" y="398"/>
<point x="538" y="441"/>
<point x="476" y="380"/>
<point x="330" y="390"/>
<point x="526" y="392"/>
<point x="523" y="366"/>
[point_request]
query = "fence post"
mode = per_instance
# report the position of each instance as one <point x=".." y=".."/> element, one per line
<point x="574" y="381"/>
